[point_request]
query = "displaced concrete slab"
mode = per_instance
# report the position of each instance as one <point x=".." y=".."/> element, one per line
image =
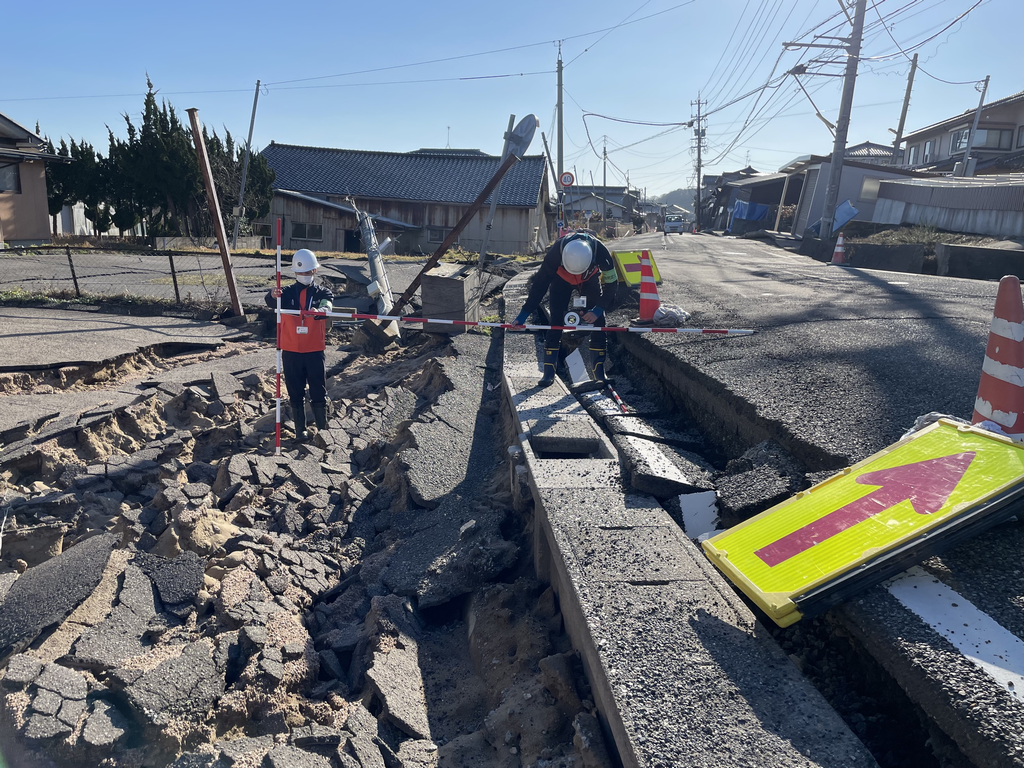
<point x="531" y="401"/>
<point x="574" y="435"/>
<point x="36" y="339"/>
<point x="651" y="471"/>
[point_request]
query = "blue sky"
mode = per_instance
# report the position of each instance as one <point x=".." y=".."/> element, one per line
<point x="80" y="68"/>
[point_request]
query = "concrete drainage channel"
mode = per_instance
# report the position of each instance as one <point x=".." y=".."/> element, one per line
<point x="681" y="671"/>
<point x="664" y="638"/>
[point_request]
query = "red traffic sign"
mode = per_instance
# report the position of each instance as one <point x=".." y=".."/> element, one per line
<point x="567" y="179"/>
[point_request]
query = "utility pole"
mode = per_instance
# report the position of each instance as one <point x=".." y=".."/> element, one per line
<point x="558" y="109"/>
<point x="698" y="133"/>
<point x="604" y="187"/>
<point x="214" y="205"/>
<point x="561" y="146"/>
<point x="903" y="114"/>
<point x="835" y="175"/>
<point x="245" y="169"/>
<point x="974" y="128"/>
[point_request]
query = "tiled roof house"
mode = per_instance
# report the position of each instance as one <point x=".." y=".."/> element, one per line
<point x="416" y="198"/>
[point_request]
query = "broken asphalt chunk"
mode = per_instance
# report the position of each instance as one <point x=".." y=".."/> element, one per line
<point x="45" y="595"/>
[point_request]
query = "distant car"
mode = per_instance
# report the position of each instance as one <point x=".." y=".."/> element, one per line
<point x="674" y="224"/>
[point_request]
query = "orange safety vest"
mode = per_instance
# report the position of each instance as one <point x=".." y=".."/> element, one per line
<point x="302" y="333"/>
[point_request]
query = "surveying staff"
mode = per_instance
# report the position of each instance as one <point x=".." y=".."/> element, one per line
<point x="578" y="261"/>
<point x="304" y="340"/>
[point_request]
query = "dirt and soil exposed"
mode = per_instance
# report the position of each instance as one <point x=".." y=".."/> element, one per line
<point x="173" y="593"/>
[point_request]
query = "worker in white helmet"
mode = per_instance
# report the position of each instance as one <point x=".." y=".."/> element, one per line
<point x="577" y="262"/>
<point x="304" y="341"/>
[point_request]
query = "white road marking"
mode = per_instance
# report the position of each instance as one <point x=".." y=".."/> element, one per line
<point x="975" y="634"/>
<point x="892" y="282"/>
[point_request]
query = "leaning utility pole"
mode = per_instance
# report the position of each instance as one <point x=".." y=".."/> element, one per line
<point x="214" y="204"/>
<point x="835" y="174"/>
<point x="974" y="128"/>
<point x="240" y="211"/>
<point x="903" y="114"/>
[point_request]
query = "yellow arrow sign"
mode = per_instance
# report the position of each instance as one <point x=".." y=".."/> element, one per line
<point x="875" y="506"/>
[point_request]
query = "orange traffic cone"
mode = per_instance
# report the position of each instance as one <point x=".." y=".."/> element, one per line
<point x="649" y="300"/>
<point x="1001" y="391"/>
<point x="839" y="255"/>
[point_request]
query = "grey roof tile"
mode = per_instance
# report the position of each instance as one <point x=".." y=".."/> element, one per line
<point x="443" y="176"/>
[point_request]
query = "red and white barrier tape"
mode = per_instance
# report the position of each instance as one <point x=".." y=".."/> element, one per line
<point x="277" y="408"/>
<point x="510" y="326"/>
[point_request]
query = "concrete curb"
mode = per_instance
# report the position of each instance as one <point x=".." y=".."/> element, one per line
<point x="682" y="672"/>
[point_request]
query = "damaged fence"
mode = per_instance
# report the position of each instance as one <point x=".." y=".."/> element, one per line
<point x="181" y="277"/>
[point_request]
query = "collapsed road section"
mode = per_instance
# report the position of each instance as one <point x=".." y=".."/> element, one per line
<point x="174" y="594"/>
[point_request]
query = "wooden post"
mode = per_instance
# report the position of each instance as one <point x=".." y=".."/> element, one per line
<point x="74" y="277"/>
<point x="214" y="204"/>
<point x="174" y="278"/>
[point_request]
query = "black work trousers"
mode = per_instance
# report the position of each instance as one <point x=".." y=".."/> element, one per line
<point x="559" y="295"/>
<point x="302" y="368"/>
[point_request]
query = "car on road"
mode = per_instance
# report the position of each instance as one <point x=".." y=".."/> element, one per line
<point x="674" y="223"/>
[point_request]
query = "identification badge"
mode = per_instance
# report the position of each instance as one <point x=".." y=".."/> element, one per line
<point x="579" y="301"/>
<point x="302" y="329"/>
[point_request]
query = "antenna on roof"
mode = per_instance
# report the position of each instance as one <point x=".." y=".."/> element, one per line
<point x="448" y="141"/>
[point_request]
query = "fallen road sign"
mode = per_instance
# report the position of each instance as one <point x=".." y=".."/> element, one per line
<point x="914" y="499"/>
<point x="627" y="264"/>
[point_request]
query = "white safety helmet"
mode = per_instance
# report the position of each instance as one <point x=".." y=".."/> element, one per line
<point x="577" y="256"/>
<point x="304" y="261"/>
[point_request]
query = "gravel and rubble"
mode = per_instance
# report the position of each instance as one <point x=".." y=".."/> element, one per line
<point x="173" y="593"/>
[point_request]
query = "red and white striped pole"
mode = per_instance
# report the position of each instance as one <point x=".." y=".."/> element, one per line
<point x="510" y="326"/>
<point x="277" y="439"/>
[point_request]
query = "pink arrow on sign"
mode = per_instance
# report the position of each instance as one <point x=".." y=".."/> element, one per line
<point x="925" y="484"/>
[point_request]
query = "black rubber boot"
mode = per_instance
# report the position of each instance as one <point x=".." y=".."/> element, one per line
<point x="299" y="419"/>
<point x="320" y="415"/>
<point x="599" y="361"/>
<point x="550" y="360"/>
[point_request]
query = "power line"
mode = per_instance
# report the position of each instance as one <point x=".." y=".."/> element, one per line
<point x="906" y="55"/>
<point x="624" y="21"/>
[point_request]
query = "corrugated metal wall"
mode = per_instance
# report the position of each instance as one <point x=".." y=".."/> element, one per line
<point x="968" y="197"/>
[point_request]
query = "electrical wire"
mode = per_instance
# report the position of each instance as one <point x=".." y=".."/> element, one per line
<point x="624" y="21"/>
<point x="907" y="56"/>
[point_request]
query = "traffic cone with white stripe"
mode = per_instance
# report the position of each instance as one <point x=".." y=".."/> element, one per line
<point x="839" y="254"/>
<point x="1000" y="398"/>
<point x="649" y="300"/>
